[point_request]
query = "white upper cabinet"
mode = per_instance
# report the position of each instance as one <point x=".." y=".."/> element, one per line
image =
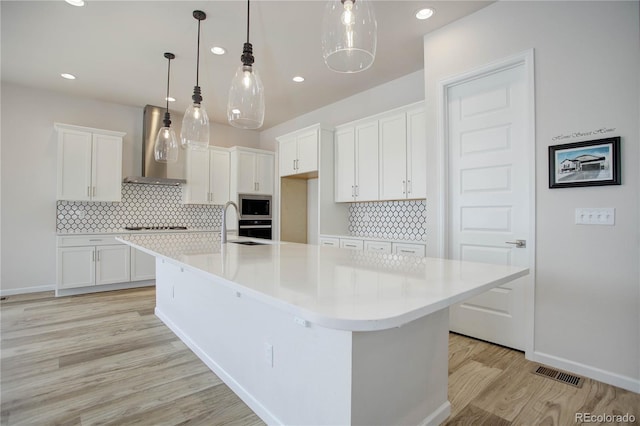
<point x="252" y="171"/>
<point x="393" y="157"/>
<point x="207" y="173"/>
<point x="89" y="164"/>
<point x="403" y="154"/>
<point x="356" y="162"/>
<point x="299" y="151"/>
<point x="416" y="152"/>
<point x="382" y="157"/>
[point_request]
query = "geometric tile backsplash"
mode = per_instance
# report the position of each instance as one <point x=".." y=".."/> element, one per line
<point x="391" y="220"/>
<point x="141" y="205"/>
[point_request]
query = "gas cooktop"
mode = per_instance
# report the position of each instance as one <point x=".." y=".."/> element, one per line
<point x="155" y="228"/>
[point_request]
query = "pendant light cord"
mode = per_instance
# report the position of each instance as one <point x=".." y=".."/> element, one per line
<point x="248" y="11"/>
<point x="198" y="56"/>
<point x="168" y="74"/>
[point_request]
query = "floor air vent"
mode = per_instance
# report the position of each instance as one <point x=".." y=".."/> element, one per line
<point x="559" y="376"/>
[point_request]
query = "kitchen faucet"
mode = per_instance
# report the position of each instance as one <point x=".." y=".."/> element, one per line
<point x="223" y="232"/>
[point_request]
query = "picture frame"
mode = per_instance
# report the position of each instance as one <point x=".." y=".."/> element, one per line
<point x="588" y="163"/>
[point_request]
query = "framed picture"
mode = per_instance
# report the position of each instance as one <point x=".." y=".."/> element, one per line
<point x="588" y="163"/>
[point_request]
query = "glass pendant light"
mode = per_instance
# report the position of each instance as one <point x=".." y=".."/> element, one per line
<point x="195" y="123"/>
<point x="245" y="108"/>
<point x="166" y="147"/>
<point x="349" y="35"/>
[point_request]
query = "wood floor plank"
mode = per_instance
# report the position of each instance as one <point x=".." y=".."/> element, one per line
<point x="467" y="382"/>
<point x="104" y="358"/>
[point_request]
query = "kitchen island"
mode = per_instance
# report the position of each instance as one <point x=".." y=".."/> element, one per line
<point x="310" y="335"/>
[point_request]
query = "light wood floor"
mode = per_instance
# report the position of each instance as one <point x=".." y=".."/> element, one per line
<point x="106" y="359"/>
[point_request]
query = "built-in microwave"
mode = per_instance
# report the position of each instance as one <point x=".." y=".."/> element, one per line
<point x="254" y="206"/>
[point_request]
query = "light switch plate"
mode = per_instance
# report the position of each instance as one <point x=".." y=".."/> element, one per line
<point x="595" y="216"/>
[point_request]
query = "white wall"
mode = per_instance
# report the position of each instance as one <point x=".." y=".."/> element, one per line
<point x="393" y="94"/>
<point x="28" y="172"/>
<point x="587" y="72"/>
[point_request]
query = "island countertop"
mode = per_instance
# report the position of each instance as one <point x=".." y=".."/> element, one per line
<point x="328" y="286"/>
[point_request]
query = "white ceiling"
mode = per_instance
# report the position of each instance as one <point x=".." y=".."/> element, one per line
<point x="116" y="48"/>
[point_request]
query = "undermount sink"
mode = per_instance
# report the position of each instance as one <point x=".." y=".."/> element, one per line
<point x="248" y="243"/>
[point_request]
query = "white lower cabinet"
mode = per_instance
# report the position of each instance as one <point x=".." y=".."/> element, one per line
<point x="330" y="242"/>
<point x="409" y="249"/>
<point x="351" y="244"/>
<point x="143" y="265"/>
<point x="378" y="246"/>
<point x="92" y="260"/>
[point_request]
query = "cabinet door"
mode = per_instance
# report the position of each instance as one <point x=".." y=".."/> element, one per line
<point x="196" y="191"/>
<point x="106" y="171"/>
<point x="246" y="172"/>
<point x="367" y="162"/>
<point x="307" y="152"/>
<point x="416" y="153"/>
<point x="143" y="265"/>
<point x="409" y="249"/>
<point x="264" y="173"/>
<point x="344" y="165"/>
<point x="76" y="267"/>
<point x="393" y="157"/>
<point x="112" y="264"/>
<point x="288" y="156"/>
<point x="219" y="176"/>
<point x="74" y="165"/>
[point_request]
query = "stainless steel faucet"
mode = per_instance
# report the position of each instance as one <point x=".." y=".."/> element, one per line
<point x="223" y="232"/>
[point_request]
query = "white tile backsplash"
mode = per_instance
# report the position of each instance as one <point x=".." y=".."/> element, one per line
<point x="141" y="205"/>
<point x="392" y="220"/>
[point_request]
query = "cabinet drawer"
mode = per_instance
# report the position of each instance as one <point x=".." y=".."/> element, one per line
<point x="330" y="242"/>
<point x="377" y="246"/>
<point x="351" y="244"/>
<point x="87" y="240"/>
<point x="409" y="249"/>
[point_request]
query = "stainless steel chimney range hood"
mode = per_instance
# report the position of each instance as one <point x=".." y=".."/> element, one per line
<point x="153" y="173"/>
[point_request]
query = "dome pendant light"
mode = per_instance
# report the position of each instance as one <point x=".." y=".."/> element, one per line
<point x="195" y="123"/>
<point x="165" y="149"/>
<point x="349" y="35"/>
<point x="245" y="108"/>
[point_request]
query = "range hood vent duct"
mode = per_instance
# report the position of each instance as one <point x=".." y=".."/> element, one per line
<point x="153" y="173"/>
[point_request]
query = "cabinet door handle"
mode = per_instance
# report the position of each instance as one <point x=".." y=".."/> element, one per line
<point x="408" y="187"/>
<point x="294" y="164"/>
<point x="353" y="191"/>
<point x="404" y="187"/>
<point x="93" y="256"/>
<point x="357" y="190"/>
<point x="88" y="191"/>
<point x="94" y="191"/>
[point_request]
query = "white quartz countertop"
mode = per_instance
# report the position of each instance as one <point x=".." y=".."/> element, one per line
<point x="329" y="286"/>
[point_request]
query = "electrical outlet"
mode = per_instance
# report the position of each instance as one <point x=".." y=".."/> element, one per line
<point x="595" y="216"/>
<point x="268" y="354"/>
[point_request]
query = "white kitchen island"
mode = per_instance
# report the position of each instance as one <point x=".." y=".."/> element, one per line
<point x="310" y="335"/>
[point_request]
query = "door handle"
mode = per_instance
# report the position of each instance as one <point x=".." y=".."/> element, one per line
<point x="404" y="187"/>
<point x="94" y="191"/>
<point x="518" y="243"/>
<point x="408" y="187"/>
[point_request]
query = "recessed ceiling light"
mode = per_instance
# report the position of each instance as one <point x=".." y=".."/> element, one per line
<point x="68" y="76"/>
<point x="217" y="50"/>
<point x="170" y="99"/>
<point x="235" y="111"/>
<point x="298" y="79"/>
<point x="425" y="13"/>
<point x="75" y="2"/>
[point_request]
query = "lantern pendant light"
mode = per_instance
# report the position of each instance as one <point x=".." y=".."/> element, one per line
<point x="195" y="123"/>
<point x="165" y="149"/>
<point x="349" y="35"/>
<point x="245" y="107"/>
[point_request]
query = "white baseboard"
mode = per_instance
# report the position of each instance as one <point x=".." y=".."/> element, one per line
<point x="439" y="416"/>
<point x="624" y="382"/>
<point x="106" y="287"/>
<point x="25" y="290"/>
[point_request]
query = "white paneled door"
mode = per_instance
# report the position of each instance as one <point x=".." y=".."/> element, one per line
<point x="489" y="193"/>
